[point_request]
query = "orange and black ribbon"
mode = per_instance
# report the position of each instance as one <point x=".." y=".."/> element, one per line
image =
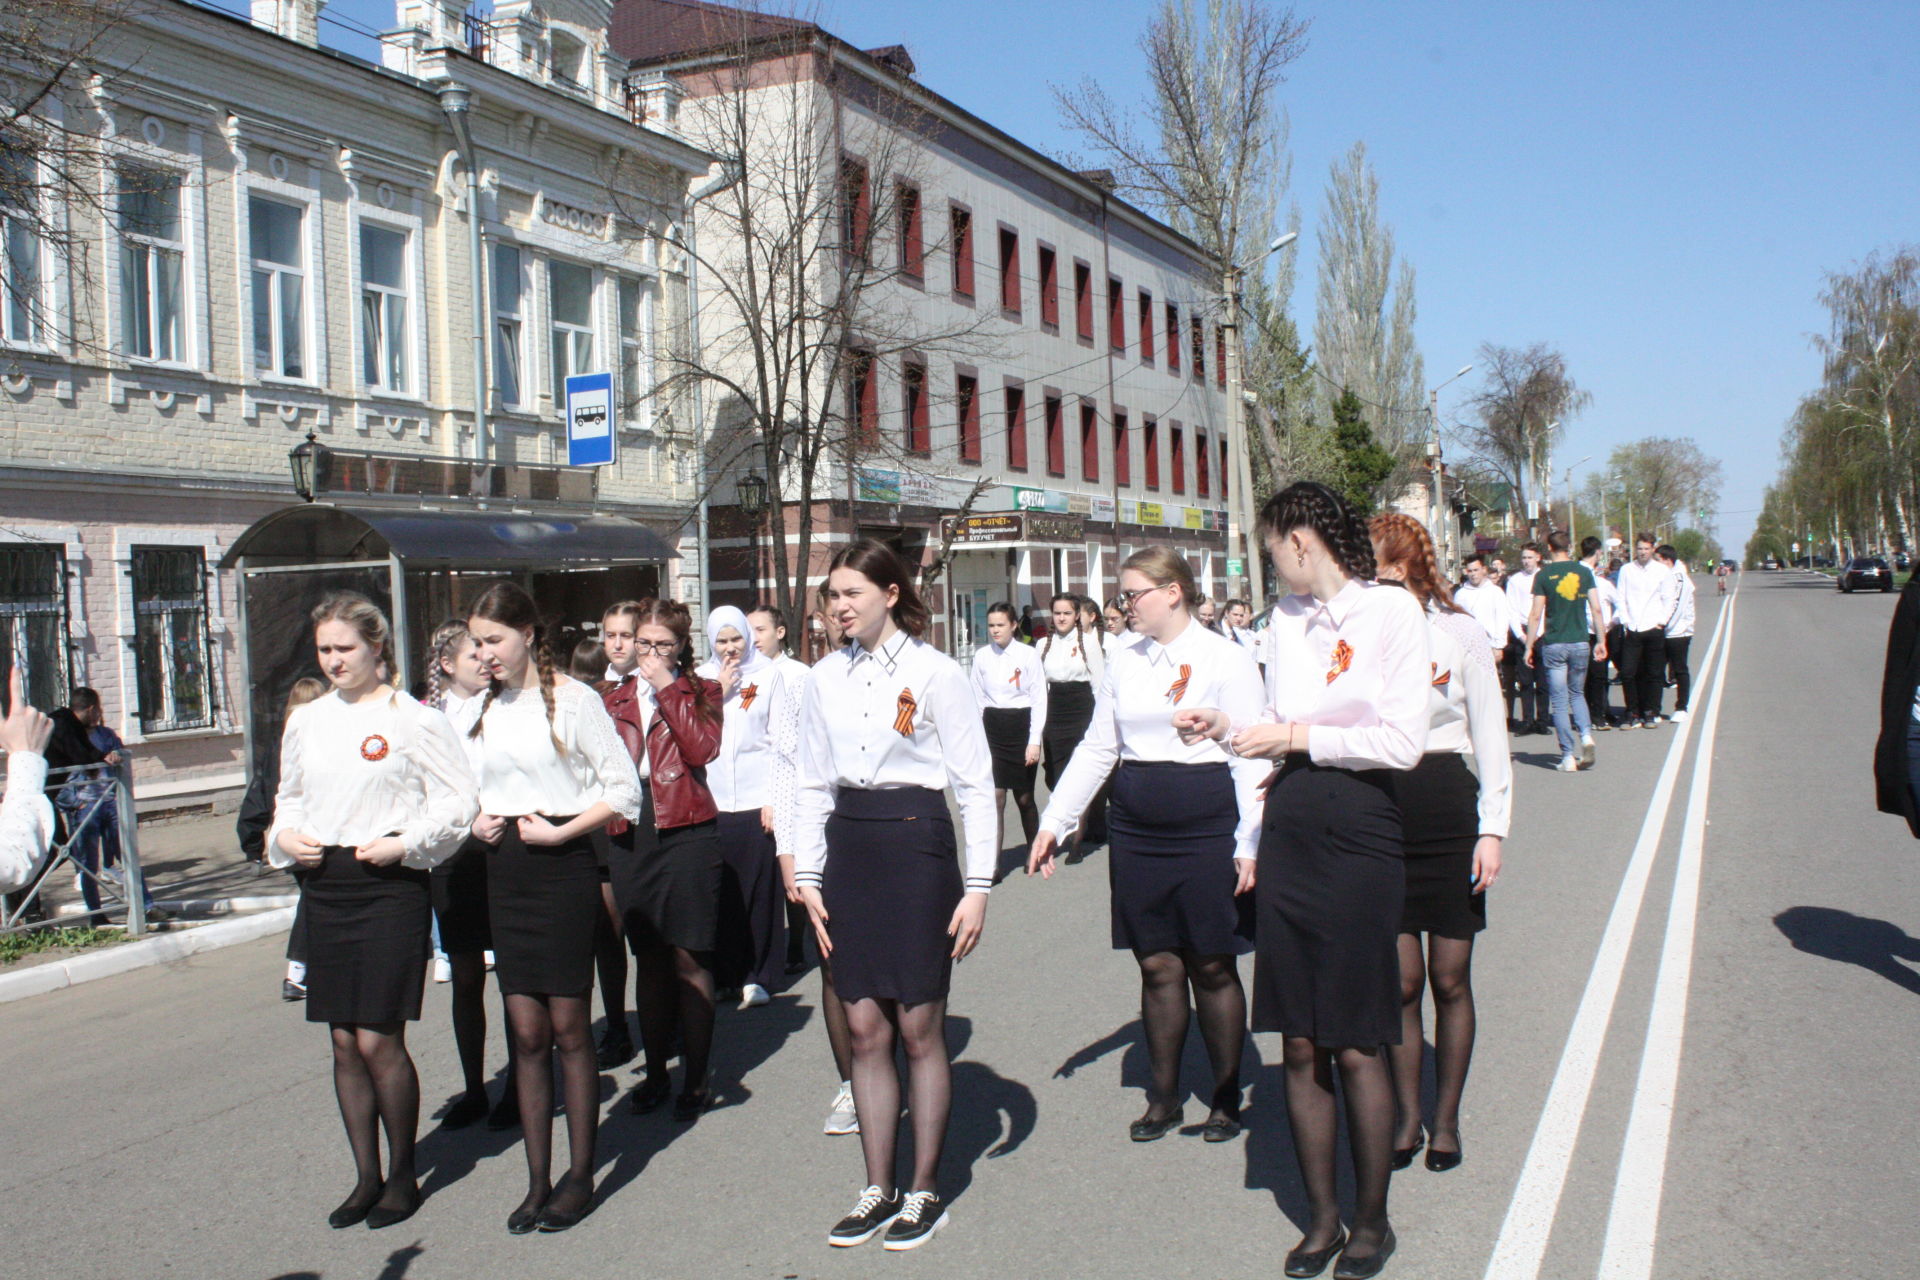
<point x="747" y="695"/>
<point x="1342" y="659"/>
<point x="1441" y="679"/>
<point x="1014" y="679"/>
<point x="903" y="722"/>
<point x="1178" y="689"/>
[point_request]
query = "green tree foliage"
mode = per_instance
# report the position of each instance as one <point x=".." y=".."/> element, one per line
<point x="1363" y="465"/>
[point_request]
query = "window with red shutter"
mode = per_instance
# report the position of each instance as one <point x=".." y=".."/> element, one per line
<point x="1177" y="440"/>
<point x="1173" y="338"/>
<point x="1224" y="473"/>
<point x="912" y="241"/>
<point x="1116" y="315"/>
<point x="1199" y="350"/>
<point x="1010" y="270"/>
<point x="863" y="395"/>
<point x="1056" y="433"/>
<point x="1150" y="451"/>
<point x="1049" y="288"/>
<point x="961" y="237"/>
<point x="1146" y="327"/>
<point x="856" y="207"/>
<point x="1220" y="354"/>
<point x="1200" y="467"/>
<point x="1017" y="428"/>
<point x="1089" y="443"/>
<point x="913" y="383"/>
<point x="1122" y="458"/>
<point x="1083" y="301"/>
<point x="967" y="394"/>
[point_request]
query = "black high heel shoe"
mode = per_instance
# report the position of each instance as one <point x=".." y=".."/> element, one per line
<point x="1403" y="1156"/>
<point x="1442" y="1161"/>
<point x="1301" y="1264"/>
<point x="527" y="1216"/>
<point x="355" y="1208"/>
<point x="381" y="1216"/>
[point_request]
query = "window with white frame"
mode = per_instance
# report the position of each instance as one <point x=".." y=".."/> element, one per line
<point x="21" y="278"/>
<point x="570" y="314"/>
<point x="636" y="346"/>
<point x="383" y="308"/>
<point x="509" y="327"/>
<point x="171" y="642"/>
<point x="33" y="620"/>
<point x="278" y="250"/>
<point x="153" y="248"/>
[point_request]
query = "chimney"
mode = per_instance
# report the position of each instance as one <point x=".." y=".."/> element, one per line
<point x="295" y="19"/>
<point x="1101" y="178"/>
<point x="894" y="57"/>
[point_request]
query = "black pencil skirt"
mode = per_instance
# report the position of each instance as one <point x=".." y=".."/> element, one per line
<point x="543" y="904"/>
<point x="1170" y="860"/>
<point x="1440" y="815"/>
<point x="1328" y="898"/>
<point x="752" y="926"/>
<point x="890" y="886"/>
<point x="368" y="938"/>
<point x="666" y="884"/>
<point x="1008" y="729"/>
<point x="1069" y="712"/>
<point x="460" y="900"/>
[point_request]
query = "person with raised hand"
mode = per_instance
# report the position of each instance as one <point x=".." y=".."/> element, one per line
<point x="26" y="816"/>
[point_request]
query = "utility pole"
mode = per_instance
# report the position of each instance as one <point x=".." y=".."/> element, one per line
<point x="1247" y="583"/>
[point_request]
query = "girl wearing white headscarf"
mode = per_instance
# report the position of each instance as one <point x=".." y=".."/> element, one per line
<point x="752" y="935"/>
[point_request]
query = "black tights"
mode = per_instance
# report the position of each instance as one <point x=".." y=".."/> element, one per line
<point x="1448" y="968"/>
<point x="470" y="1020"/>
<point x="1029" y="814"/>
<point x="377" y="1087"/>
<point x="921" y="1030"/>
<point x="833" y="1011"/>
<point x="1368" y="1086"/>
<point x="542" y="1026"/>
<point x="610" y="962"/>
<point x="669" y="984"/>
<point x="1165" y="977"/>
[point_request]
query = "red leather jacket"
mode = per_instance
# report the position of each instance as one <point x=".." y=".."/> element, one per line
<point x="680" y="743"/>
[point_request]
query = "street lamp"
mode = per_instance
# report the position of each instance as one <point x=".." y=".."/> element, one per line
<point x="751" y="489"/>
<point x="1240" y="504"/>
<point x="1573" y="530"/>
<point x="1434" y="468"/>
<point x="312" y="465"/>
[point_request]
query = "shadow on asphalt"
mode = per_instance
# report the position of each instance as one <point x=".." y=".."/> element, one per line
<point x="992" y="1116"/>
<point x="1875" y="945"/>
<point x="397" y="1264"/>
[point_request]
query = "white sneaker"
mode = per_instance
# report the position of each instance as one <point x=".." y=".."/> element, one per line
<point x="1586" y="752"/>
<point x="1679" y="717"/>
<point x="842" y="1118"/>
<point x="442" y="969"/>
<point x="753" y="995"/>
<point x="1568" y="765"/>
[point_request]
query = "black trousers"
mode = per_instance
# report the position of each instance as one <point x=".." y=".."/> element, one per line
<point x="1599" y="678"/>
<point x="1643" y="672"/>
<point x="1677" y="647"/>
<point x="1525" y="686"/>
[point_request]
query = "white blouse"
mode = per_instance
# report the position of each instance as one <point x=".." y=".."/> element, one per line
<point x="783" y="767"/>
<point x="521" y="772"/>
<point x="1357" y="670"/>
<point x="1467" y="713"/>
<point x="739" y="775"/>
<point x="1133" y="720"/>
<point x="1012" y="678"/>
<point x="352" y="772"/>
<point x="850" y="736"/>
<point x="1068" y="657"/>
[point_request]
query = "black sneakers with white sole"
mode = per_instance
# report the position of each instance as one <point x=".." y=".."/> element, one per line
<point x="922" y="1215"/>
<point x="872" y="1211"/>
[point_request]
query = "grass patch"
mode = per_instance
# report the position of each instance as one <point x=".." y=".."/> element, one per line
<point x="14" y="946"/>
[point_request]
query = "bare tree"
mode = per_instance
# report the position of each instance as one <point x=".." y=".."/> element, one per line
<point x="1523" y="392"/>
<point x="810" y="260"/>
<point x="1872" y="351"/>
<point x="1365" y="311"/>
<point x="1659" y="485"/>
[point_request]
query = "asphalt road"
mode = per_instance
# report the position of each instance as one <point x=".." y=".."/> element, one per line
<point x="1723" y="1089"/>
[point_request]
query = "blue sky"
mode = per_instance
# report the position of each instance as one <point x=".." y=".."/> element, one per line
<point x="1655" y="189"/>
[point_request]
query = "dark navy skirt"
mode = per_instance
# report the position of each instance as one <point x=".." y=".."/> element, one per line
<point x="890" y="886"/>
<point x="367" y="939"/>
<point x="1170" y="860"/>
<point x="460" y="900"/>
<point x="666" y="884"/>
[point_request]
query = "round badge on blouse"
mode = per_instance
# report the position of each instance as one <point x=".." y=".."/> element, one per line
<point x="373" y="748"/>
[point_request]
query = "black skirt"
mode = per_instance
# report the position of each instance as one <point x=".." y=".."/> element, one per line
<point x="752" y="927"/>
<point x="666" y="884"/>
<point x="1170" y="860"/>
<point x="368" y="938"/>
<point x="1008" y="730"/>
<point x="1069" y="712"/>
<point x="460" y="900"/>
<point x="1440" y="814"/>
<point x="1328" y="897"/>
<point x="891" y="884"/>
<point x="543" y="904"/>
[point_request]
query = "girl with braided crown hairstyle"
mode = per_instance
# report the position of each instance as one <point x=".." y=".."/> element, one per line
<point x="1348" y="679"/>
<point x="552" y="772"/>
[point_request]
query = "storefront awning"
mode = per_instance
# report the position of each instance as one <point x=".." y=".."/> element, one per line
<point x="321" y="533"/>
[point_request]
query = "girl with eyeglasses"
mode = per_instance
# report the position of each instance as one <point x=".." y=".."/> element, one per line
<point x="1184" y="818"/>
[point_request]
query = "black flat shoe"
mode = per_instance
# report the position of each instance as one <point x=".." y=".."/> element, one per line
<point x="689" y="1105"/>
<point x="1368" y="1267"/>
<point x="614" y="1051"/>
<point x="1301" y="1264"/>
<point x="552" y="1219"/>
<point x="506" y="1112"/>
<point x="1442" y="1161"/>
<point x="1220" y="1129"/>
<point x="1147" y="1129"/>
<point x="382" y="1216"/>
<point x="471" y="1109"/>
<point x="1403" y="1156"/>
<point x="355" y="1208"/>
<point x="653" y="1091"/>
<point x="527" y="1216"/>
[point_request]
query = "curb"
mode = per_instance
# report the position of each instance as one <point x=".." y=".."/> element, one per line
<point x="160" y="949"/>
<point x="201" y="906"/>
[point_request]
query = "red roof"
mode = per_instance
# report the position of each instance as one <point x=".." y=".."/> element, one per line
<point x="659" y="30"/>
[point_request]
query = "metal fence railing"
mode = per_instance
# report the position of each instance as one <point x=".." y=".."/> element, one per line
<point x="92" y="802"/>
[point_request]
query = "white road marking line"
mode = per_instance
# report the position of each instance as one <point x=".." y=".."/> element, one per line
<point x="1522" y="1243"/>
<point x="1637" y="1191"/>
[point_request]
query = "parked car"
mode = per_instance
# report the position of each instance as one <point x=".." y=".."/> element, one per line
<point x="1902" y="561"/>
<point x="1866" y="573"/>
<point x="1769" y="563"/>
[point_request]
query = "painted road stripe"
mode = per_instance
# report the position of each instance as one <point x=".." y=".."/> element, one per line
<point x="1522" y="1243"/>
<point x="1628" y="1254"/>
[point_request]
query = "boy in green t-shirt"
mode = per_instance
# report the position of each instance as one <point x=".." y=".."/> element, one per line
<point x="1557" y="625"/>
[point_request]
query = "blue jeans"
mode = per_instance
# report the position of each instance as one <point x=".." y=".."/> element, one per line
<point x="1566" y="666"/>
